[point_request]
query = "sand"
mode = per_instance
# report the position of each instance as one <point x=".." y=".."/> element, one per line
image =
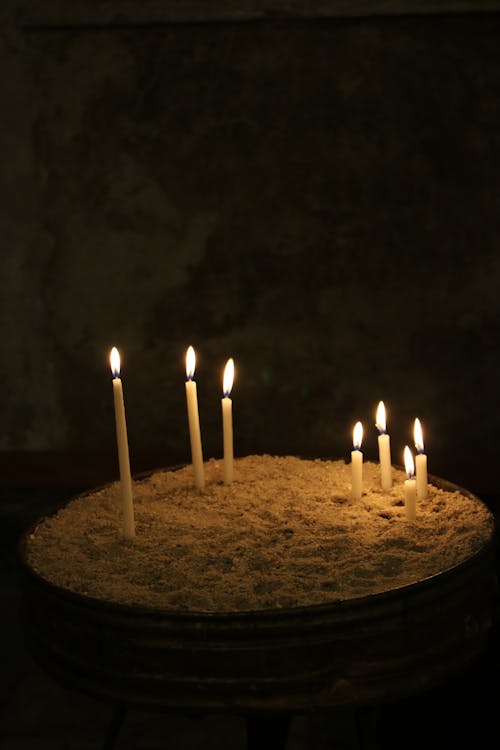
<point x="284" y="534"/>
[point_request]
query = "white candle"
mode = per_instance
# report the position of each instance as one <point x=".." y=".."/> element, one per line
<point x="384" y="448"/>
<point x="410" y="486"/>
<point x="194" y="420"/>
<point x="227" y="421"/>
<point x="357" y="463"/>
<point x="420" y="460"/>
<point x="122" y="442"/>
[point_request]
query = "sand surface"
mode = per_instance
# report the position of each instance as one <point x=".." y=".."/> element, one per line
<point x="284" y="534"/>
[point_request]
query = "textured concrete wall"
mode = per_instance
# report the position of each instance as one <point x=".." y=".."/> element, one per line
<point x="320" y="200"/>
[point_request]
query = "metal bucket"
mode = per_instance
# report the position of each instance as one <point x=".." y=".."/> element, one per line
<point x="344" y="654"/>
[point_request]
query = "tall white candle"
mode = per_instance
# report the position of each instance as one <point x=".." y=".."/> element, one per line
<point x="384" y="448"/>
<point x="420" y="460"/>
<point x="122" y="442"/>
<point x="357" y="462"/>
<point x="194" y="420"/>
<point x="410" y="486"/>
<point x="227" y="421"/>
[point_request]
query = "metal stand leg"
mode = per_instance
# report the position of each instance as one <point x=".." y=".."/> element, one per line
<point x="267" y="732"/>
<point x="366" y="728"/>
<point x="114" y="727"/>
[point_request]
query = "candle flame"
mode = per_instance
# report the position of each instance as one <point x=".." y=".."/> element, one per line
<point x="114" y="360"/>
<point x="380" y="420"/>
<point x="190" y="363"/>
<point x="409" y="463"/>
<point x="227" y="381"/>
<point x="418" y="437"/>
<point x="357" y="436"/>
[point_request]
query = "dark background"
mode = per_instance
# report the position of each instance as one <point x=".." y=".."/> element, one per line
<point x="317" y="197"/>
<point x="311" y="190"/>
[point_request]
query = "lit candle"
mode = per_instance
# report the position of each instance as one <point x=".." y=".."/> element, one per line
<point x="384" y="448"/>
<point x="410" y="486"/>
<point x="420" y="460"/>
<point x="194" y="419"/>
<point x="357" y="462"/>
<point x="227" y="420"/>
<point x="123" y="455"/>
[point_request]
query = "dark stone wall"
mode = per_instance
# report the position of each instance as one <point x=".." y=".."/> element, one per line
<point x="318" y="199"/>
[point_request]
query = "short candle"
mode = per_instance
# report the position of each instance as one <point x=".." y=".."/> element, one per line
<point x="384" y="448"/>
<point x="227" y="421"/>
<point x="122" y="443"/>
<point x="420" y="460"/>
<point x="357" y="462"/>
<point x="410" y="487"/>
<point x="194" y="419"/>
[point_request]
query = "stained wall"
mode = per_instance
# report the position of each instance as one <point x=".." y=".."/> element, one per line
<point x="318" y="198"/>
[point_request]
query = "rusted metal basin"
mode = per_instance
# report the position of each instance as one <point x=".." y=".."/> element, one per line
<point x="344" y="654"/>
